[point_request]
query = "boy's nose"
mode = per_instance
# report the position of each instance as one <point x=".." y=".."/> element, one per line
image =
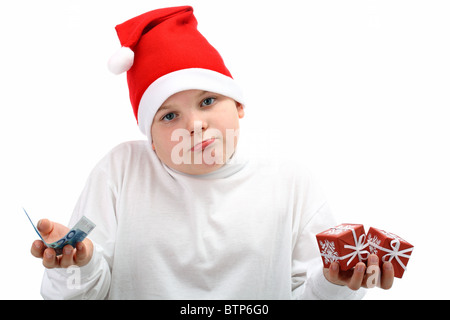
<point x="197" y="127"/>
<point x="196" y="124"/>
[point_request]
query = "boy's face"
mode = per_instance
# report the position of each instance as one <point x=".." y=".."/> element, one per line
<point x="195" y="131"/>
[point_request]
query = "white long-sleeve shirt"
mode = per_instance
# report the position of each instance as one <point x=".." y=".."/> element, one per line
<point x="245" y="231"/>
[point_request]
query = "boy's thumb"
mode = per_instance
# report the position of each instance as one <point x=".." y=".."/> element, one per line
<point x="44" y="226"/>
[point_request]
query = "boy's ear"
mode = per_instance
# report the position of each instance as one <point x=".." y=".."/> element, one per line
<point x="153" y="146"/>
<point x="240" y="110"/>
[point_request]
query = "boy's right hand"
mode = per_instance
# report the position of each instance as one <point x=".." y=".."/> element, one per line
<point x="52" y="231"/>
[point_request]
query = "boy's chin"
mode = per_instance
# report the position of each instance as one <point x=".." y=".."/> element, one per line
<point x="198" y="169"/>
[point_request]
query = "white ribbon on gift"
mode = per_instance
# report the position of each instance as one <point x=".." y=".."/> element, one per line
<point x="394" y="253"/>
<point x="358" y="248"/>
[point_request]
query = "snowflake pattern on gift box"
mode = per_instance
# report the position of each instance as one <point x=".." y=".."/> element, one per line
<point x="339" y="229"/>
<point x="391" y="235"/>
<point x="373" y="239"/>
<point x="328" y="251"/>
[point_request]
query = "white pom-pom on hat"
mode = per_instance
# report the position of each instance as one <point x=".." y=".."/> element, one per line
<point x="121" y="61"/>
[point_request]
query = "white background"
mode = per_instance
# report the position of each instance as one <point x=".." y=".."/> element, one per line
<point x="357" y="90"/>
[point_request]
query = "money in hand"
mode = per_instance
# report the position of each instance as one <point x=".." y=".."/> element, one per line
<point x="77" y="234"/>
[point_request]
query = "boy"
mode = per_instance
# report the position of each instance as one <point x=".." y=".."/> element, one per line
<point x="185" y="214"/>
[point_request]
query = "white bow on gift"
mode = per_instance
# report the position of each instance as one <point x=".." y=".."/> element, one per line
<point x="358" y="248"/>
<point x="394" y="253"/>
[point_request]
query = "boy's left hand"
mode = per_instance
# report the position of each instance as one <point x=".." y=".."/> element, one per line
<point x="357" y="277"/>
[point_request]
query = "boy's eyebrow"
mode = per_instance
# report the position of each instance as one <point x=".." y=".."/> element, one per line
<point x="162" y="108"/>
<point x="202" y="93"/>
<point x="165" y="107"/>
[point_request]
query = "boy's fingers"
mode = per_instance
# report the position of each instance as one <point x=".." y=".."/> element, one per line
<point x="373" y="260"/>
<point x="372" y="277"/>
<point x="358" y="276"/>
<point x="387" y="277"/>
<point x="37" y="249"/>
<point x="83" y="253"/>
<point x="332" y="273"/>
<point x="49" y="259"/>
<point x="66" y="259"/>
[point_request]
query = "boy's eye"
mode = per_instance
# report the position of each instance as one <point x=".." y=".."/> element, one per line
<point x="208" y="101"/>
<point x="169" y="116"/>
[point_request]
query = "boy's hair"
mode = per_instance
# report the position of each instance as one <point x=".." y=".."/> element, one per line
<point x="164" y="53"/>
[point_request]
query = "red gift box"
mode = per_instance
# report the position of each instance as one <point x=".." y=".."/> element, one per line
<point x="390" y="247"/>
<point x="345" y="244"/>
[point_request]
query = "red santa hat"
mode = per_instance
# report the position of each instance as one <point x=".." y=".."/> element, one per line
<point x="164" y="53"/>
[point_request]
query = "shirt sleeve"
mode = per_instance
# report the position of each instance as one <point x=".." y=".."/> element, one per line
<point x="92" y="281"/>
<point x="313" y="215"/>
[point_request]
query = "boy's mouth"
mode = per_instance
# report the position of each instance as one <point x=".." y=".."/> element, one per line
<point x="203" y="145"/>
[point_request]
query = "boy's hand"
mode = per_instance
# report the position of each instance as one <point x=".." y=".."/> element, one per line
<point x="357" y="277"/>
<point x="52" y="231"/>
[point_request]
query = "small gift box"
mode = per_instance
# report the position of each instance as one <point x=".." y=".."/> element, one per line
<point x="345" y="244"/>
<point x="390" y="247"/>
